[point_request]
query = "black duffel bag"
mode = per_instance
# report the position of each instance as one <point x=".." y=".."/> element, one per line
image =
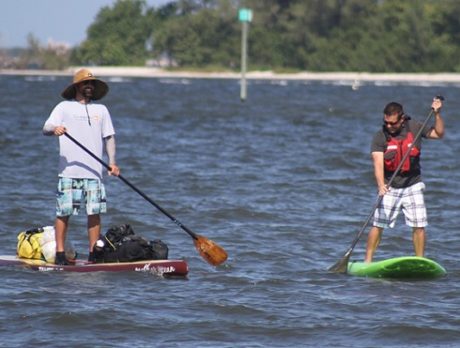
<point x="121" y="244"/>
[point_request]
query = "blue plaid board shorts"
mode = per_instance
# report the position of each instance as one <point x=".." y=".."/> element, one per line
<point x="74" y="194"/>
<point x="409" y="199"/>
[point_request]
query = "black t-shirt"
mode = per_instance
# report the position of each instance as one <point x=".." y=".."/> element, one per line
<point x="379" y="144"/>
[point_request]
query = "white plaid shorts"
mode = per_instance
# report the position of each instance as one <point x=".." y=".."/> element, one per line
<point x="409" y="199"/>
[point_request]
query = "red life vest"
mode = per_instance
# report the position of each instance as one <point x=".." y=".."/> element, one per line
<point x="396" y="149"/>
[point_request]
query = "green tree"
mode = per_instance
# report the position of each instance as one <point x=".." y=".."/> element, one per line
<point x="446" y="30"/>
<point x="117" y="37"/>
<point x="316" y="35"/>
<point x="30" y="57"/>
<point x="54" y="56"/>
<point x="199" y="36"/>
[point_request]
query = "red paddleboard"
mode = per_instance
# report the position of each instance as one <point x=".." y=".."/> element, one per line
<point x="159" y="267"/>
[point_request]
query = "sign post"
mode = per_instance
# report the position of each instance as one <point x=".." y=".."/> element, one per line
<point x="244" y="16"/>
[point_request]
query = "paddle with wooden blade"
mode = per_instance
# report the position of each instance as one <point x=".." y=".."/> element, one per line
<point x="341" y="266"/>
<point x="210" y="251"/>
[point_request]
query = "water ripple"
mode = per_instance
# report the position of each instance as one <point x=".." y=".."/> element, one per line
<point x="283" y="182"/>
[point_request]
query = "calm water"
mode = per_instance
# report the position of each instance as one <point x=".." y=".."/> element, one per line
<point x="283" y="182"/>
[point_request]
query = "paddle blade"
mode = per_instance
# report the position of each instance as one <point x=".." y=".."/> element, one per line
<point x="341" y="266"/>
<point x="210" y="251"/>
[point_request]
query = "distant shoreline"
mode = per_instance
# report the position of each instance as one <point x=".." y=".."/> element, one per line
<point x="352" y="77"/>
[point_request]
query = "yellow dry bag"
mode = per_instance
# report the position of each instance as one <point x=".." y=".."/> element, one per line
<point x="29" y="244"/>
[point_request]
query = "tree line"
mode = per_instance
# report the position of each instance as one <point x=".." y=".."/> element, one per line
<point x="284" y="35"/>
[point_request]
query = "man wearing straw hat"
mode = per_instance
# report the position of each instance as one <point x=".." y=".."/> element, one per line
<point x="80" y="176"/>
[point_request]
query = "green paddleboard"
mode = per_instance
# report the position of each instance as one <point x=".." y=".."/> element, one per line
<point x="405" y="267"/>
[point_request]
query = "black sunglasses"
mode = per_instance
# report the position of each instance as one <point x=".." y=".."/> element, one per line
<point x="387" y="123"/>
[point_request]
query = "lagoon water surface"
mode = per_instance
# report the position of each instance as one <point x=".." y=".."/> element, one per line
<point x="283" y="182"/>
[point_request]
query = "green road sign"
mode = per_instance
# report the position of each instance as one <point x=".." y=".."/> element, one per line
<point x="245" y="15"/>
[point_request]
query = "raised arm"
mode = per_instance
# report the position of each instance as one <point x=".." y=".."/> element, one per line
<point x="437" y="132"/>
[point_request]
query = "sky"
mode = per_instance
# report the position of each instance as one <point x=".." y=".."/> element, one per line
<point x="62" y="21"/>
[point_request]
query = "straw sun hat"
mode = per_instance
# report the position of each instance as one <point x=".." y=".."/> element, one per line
<point x="100" y="87"/>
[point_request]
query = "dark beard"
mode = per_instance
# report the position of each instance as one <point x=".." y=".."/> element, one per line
<point x="88" y="92"/>
<point x="395" y="133"/>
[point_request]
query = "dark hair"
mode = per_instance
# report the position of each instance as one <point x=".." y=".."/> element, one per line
<point x="393" y="108"/>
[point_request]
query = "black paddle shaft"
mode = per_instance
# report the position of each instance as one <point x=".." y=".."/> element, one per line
<point x="156" y="205"/>
<point x="347" y="255"/>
